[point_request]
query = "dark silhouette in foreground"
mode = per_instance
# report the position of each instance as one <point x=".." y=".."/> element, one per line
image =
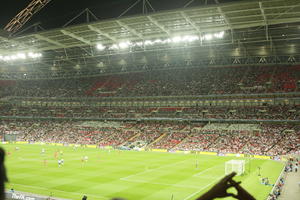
<point x="3" y="177"/>
<point x="220" y="190"/>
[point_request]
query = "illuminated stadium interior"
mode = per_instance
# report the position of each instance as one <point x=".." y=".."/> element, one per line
<point x="154" y="102"/>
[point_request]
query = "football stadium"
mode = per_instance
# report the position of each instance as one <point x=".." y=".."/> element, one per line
<point x="150" y="100"/>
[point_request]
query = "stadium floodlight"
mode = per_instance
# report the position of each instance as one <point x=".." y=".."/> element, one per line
<point x="124" y="45"/>
<point x="34" y="55"/>
<point x="176" y="39"/>
<point x="21" y="55"/>
<point x="5" y="58"/>
<point x="219" y="35"/>
<point x="148" y="42"/>
<point x="139" y="44"/>
<point x="208" y="36"/>
<point x="13" y="57"/>
<point x="100" y="47"/>
<point x="77" y="66"/>
<point x="190" y="38"/>
<point x="114" y="47"/>
<point x="166" y="41"/>
<point x="158" y="41"/>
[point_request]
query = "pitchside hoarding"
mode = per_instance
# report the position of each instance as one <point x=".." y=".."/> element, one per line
<point x="22" y="196"/>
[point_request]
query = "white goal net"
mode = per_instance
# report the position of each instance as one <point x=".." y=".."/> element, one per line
<point x="237" y="166"/>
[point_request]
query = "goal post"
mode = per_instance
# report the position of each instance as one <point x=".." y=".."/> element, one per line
<point x="237" y="166"/>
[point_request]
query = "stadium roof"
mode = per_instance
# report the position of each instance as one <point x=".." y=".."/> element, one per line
<point x="251" y="28"/>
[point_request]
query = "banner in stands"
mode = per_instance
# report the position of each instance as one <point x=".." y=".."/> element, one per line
<point x="20" y="196"/>
<point x="208" y="153"/>
<point x="159" y="150"/>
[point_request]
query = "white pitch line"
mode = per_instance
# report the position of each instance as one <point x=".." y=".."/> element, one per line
<point x="49" y="190"/>
<point x="151" y="170"/>
<point x="193" y="194"/>
<point x="154" y="183"/>
<point x="202" y="172"/>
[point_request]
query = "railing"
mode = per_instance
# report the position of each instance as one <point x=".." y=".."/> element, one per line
<point x="185" y="97"/>
<point x="172" y="101"/>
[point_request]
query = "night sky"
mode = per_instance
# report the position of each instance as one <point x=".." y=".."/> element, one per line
<point x="59" y="12"/>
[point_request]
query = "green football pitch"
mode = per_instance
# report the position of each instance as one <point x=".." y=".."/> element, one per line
<point x="128" y="174"/>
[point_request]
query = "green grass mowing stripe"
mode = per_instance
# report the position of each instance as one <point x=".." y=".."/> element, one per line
<point x="151" y="170"/>
<point x="152" y="175"/>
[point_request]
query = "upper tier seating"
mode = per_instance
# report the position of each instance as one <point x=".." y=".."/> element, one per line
<point x="197" y="81"/>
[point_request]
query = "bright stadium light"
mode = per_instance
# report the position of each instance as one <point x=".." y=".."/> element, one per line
<point x="124" y="45"/>
<point x="219" y="35"/>
<point x="31" y="55"/>
<point x="20" y="56"/>
<point x="166" y="41"/>
<point x="100" y="47"/>
<point x="34" y="55"/>
<point x="139" y="44"/>
<point x="208" y="36"/>
<point x="157" y="41"/>
<point x="13" y="57"/>
<point x="190" y="38"/>
<point x="176" y="39"/>
<point x="148" y="42"/>
<point x="114" y="47"/>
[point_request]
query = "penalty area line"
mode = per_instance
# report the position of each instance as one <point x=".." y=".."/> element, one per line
<point x="156" y="183"/>
<point x="204" y="171"/>
<point x="200" y="190"/>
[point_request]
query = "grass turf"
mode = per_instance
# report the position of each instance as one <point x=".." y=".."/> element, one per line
<point x="128" y="174"/>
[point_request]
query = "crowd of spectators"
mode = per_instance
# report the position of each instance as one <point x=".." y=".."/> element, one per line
<point x="291" y="166"/>
<point x="277" y="190"/>
<point x="273" y="112"/>
<point x="270" y="140"/>
<point x="198" y="81"/>
<point x="267" y="139"/>
<point x="198" y="141"/>
<point x="170" y="140"/>
<point x="148" y="133"/>
<point x="67" y="132"/>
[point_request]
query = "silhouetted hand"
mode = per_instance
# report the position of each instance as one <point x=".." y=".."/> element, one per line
<point x="220" y="189"/>
<point x="242" y="193"/>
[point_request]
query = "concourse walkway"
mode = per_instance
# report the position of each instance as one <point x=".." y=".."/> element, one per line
<point x="291" y="188"/>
